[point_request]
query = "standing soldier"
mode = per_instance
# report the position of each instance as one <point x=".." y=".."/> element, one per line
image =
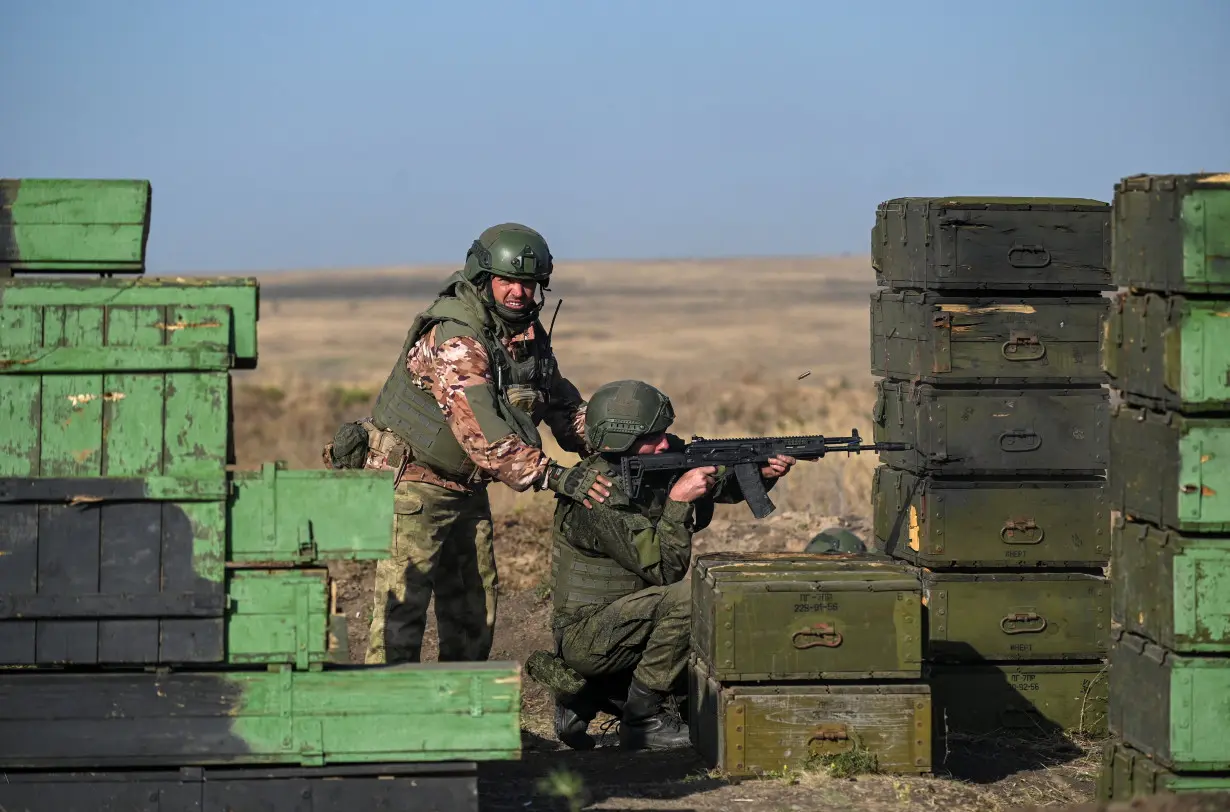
<point x="620" y="602"/>
<point x="460" y="409"/>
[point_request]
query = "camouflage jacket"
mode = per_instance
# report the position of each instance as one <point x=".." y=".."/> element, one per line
<point x="458" y="369"/>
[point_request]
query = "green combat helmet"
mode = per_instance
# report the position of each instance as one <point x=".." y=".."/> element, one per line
<point x="621" y="411"/>
<point x="835" y="540"/>
<point x="510" y="251"/>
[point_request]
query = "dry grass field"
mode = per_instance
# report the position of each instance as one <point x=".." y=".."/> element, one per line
<point x="728" y="340"/>
<point x="744" y="347"/>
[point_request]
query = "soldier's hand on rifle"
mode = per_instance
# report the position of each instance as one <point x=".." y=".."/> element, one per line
<point x="777" y="466"/>
<point x="694" y="484"/>
<point x="599" y="491"/>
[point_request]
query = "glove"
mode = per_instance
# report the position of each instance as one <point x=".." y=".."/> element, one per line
<point x="575" y="483"/>
<point x="349" y="447"/>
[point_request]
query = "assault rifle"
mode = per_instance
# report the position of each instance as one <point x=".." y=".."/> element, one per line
<point x="746" y="455"/>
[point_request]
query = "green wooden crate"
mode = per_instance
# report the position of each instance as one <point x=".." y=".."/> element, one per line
<point x="93" y="391"/>
<point x="113" y="449"/>
<point x="973" y="617"/>
<point x="340" y="715"/>
<point x="1169" y="352"/>
<point x="992" y="243"/>
<point x="279" y="616"/>
<point x="1127" y="773"/>
<point x="752" y="729"/>
<point x="791" y="616"/>
<point x="1021" y="699"/>
<point x="1171" y="707"/>
<point x="996" y="431"/>
<point x="73" y="225"/>
<point x="279" y="516"/>
<point x="1171" y="233"/>
<point x="945" y="339"/>
<point x="1170" y="588"/>
<point x="1000" y="523"/>
<point x="1169" y="469"/>
<point x="146" y="313"/>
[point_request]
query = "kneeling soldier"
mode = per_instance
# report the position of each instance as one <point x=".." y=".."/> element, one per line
<point x="620" y="602"/>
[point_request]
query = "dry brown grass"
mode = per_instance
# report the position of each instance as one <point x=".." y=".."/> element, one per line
<point x="292" y="420"/>
<point x="727" y="340"/>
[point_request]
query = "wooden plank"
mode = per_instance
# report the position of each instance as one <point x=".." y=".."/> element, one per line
<point x="388" y="787"/>
<point x="366" y="714"/>
<point x="193" y="544"/>
<point x="240" y="294"/>
<point x="21" y="419"/>
<point x="196" y="434"/>
<point x="18" y="573"/>
<point x="110" y="489"/>
<point x="53" y="224"/>
<point x="111" y="603"/>
<point x="130" y="559"/>
<point x="68" y="551"/>
<point x="32" y="360"/>
<point x="67" y="565"/>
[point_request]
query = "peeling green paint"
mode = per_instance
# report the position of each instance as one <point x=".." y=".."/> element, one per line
<point x="420" y="712"/>
<point x="238" y="294"/>
<point x="1171" y="588"/>
<point x="277" y="515"/>
<point x="1171" y="233"/>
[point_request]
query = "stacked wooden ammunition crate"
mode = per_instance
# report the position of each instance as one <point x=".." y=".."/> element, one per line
<point x="986" y="344"/>
<point x="165" y="622"/>
<point x="1167" y="351"/>
<point x="800" y="660"/>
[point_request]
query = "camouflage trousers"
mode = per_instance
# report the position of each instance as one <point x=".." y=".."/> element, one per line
<point x="645" y="632"/>
<point x="442" y="542"/>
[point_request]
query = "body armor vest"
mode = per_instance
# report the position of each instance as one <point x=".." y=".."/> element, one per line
<point x="522" y="387"/>
<point x="582" y="575"/>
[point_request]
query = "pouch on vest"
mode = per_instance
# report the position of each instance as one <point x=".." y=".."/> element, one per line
<point x="349" y="446"/>
<point x="383" y="447"/>
<point x="523" y="397"/>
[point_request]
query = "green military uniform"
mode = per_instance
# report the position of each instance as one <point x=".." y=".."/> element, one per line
<point x="458" y="397"/>
<point x="620" y="601"/>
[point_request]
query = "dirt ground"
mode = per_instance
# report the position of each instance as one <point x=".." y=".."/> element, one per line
<point x="975" y="775"/>
<point x="773" y="346"/>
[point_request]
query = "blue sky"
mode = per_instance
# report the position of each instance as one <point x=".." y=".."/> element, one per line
<point x="282" y="134"/>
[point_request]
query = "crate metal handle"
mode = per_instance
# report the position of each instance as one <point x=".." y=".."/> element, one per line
<point x="824" y="633"/>
<point x="1019" y="440"/>
<point x="835" y="732"/>
<point x="1023" y="347"/>
<point x="1028" y="256"/>
<point x="1023" y="623"/>
<point x="1008" y="533"/>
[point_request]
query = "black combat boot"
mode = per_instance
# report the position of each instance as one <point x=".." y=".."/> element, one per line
<point x="647" y="725"/>
<point x="571" y="727"/>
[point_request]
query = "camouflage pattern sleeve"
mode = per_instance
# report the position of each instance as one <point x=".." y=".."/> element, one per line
<point x="454" y="372"/>
<point x="566" y="416"/>
<point x="658" y="552"/>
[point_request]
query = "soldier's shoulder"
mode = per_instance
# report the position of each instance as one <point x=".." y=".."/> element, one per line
<point x="448" y="329"/>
